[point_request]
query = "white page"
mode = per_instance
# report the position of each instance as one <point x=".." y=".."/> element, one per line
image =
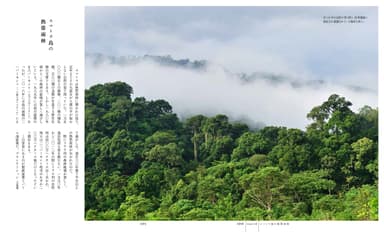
<point x="63" y="209"/>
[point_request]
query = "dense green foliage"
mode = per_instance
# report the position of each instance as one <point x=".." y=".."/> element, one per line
<point x="143" y="163"/>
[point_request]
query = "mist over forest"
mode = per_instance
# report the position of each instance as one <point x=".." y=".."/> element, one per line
<point x="231" y="113"/>
<point x="203" y="87"/>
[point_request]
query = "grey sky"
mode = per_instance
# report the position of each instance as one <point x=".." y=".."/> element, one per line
<point x="290" y="40"/>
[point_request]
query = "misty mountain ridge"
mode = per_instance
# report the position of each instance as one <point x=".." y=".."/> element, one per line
<point x="98" y="59"/>
<point x="168" y="61"/>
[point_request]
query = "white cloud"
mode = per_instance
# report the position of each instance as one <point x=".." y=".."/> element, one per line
<point x="214" y="92"/>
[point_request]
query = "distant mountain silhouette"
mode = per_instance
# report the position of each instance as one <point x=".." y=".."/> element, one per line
<point x="98" y="59"/>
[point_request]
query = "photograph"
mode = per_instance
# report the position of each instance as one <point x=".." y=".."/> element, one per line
<point x="231" y="113"/>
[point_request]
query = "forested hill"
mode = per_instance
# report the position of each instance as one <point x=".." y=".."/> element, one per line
<point x="143" y="163"/>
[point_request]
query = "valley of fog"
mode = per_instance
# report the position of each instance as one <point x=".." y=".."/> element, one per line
<point x="214" y="91"/>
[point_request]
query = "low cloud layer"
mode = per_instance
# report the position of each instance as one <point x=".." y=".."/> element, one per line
<point x="215" y="92"/>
